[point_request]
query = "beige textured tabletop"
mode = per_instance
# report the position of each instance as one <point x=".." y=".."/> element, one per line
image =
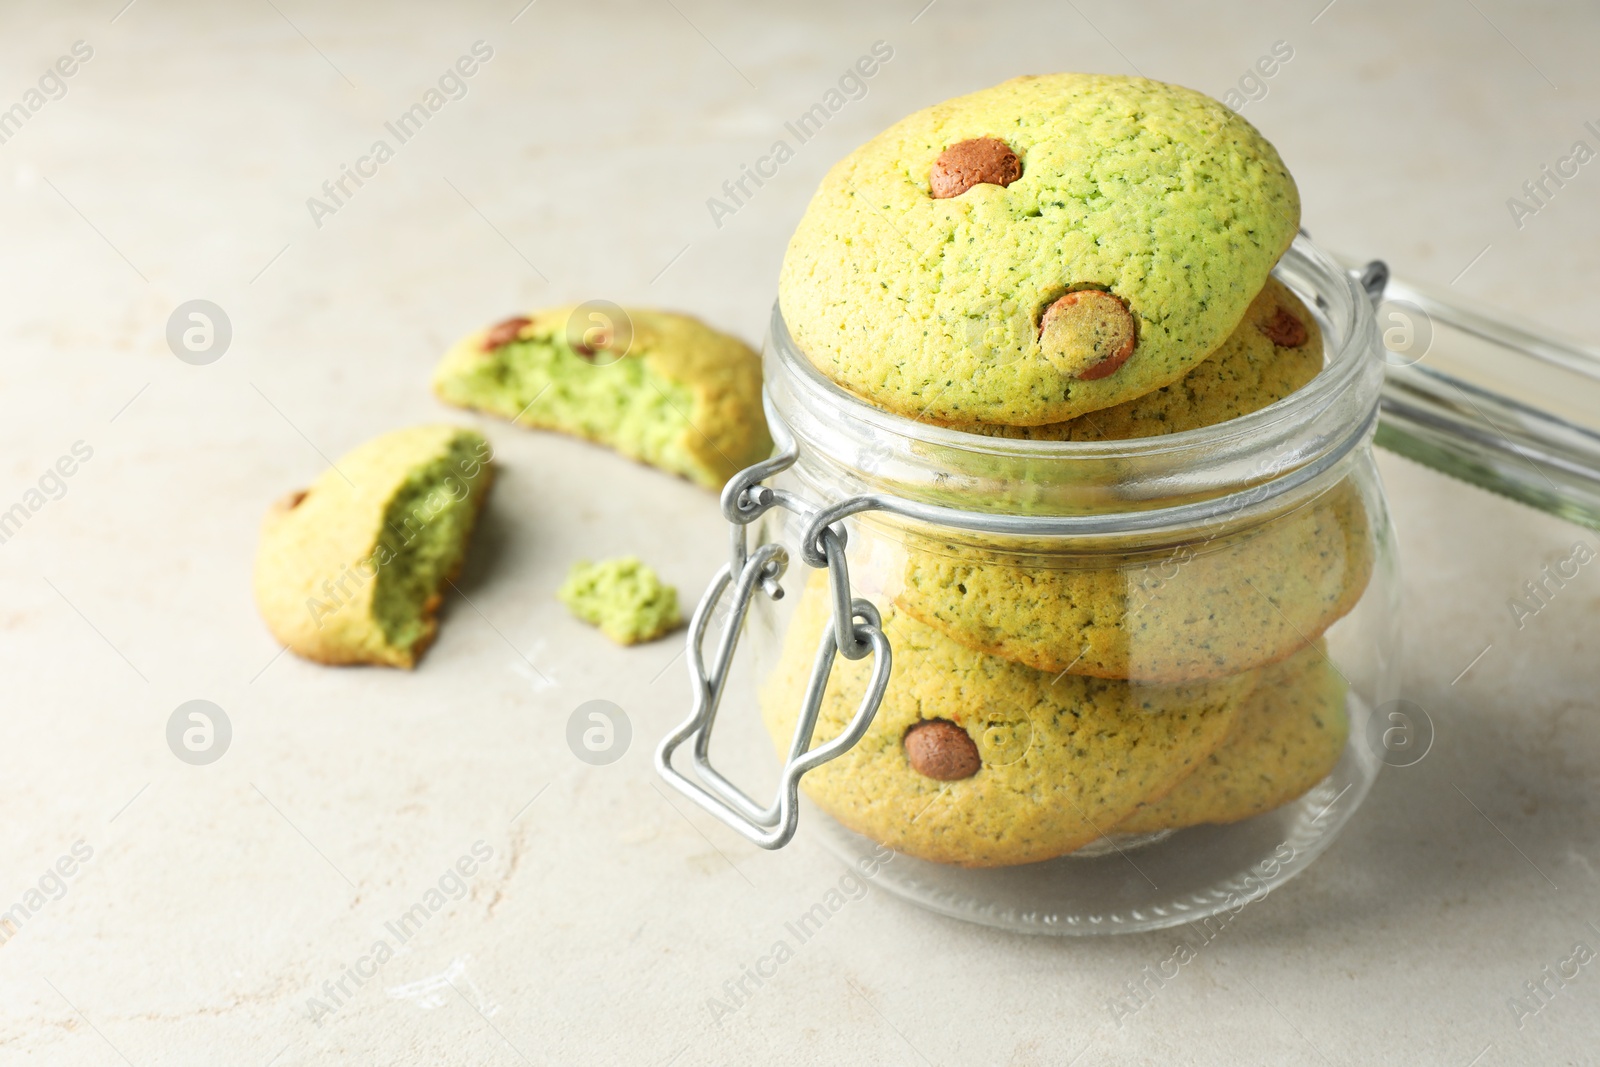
<point x="210" y="909"/>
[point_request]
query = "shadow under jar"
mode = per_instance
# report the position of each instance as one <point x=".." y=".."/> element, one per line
<point x="1074" y="687"/>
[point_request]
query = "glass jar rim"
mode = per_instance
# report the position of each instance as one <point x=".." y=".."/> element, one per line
<point x="967" y="480"/>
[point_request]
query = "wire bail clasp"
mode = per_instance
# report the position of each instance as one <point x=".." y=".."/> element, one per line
<point x="856" y="632"/>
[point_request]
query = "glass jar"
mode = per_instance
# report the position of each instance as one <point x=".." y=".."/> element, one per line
<point x="1061" y="687"/>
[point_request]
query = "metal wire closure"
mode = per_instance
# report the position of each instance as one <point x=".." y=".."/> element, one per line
<point x="856" y="632"/>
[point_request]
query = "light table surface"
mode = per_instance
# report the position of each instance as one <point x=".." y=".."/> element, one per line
<point x="577" y="163"/>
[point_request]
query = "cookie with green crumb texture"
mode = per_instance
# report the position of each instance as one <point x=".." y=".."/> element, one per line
<point x="1276" y="349"/>
<point x="1241" y="596"/>
<point x="659" y="387"/>
<point x="1023" y="765"/>
<point x="352" y="569"/>
<point x="623" y="597"/>
<point x="1289" y="734"/>
<point x="1053" y="245"/>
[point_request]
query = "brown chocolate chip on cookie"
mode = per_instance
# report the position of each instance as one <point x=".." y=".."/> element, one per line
<point x="980" y="161"/>
<point x="590" y="347"/>
<point x="503" y="333"/>
<point x="1284" y="330"/>
<point x="939" y="749"/>
<point x="1087" y="334"/>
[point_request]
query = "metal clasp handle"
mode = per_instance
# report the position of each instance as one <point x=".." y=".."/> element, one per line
<point x="856" y="632"/>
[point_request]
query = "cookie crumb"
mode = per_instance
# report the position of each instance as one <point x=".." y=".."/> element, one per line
<point x="623" y="597"/>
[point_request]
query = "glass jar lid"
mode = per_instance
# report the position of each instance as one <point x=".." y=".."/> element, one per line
<point x="1491" y="401"/>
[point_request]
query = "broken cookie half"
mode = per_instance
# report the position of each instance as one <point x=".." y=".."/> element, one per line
<point x="659" y="387"/>
<point x="352" y="570"/>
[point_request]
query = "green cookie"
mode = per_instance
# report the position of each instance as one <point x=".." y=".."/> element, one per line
<point x="1288" y="737"/>
<point x="933" y="306"/>
<point x="662" y="388"/>
<point x="1053" y="762"/>
<point x="352" y="570"/>
<point x="1241" y="598"/>
<point x="1275" y="350"/>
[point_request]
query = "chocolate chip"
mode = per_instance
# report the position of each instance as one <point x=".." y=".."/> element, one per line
<point x="288" y="502"/>
<point x="503" y="333"/>
<point x="980" y="161"/>
<point x="939" y="749"/>
<point x="1284" y="330"/>
<point x="593" y="343"/>
<point x="1088" y="334"/>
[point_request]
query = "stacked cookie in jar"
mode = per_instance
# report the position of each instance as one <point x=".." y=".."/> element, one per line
<point x="1076" y="270"/>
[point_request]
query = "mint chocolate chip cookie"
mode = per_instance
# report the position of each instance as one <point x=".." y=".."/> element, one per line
<point x="662" y="388"/>
<point x="352" y="569"/>
<point x="975" y="760"/>
<point x="1275" y="349"/>
<point x="1288" y="737"/>
<point x="1054" y="245"/>
<point x="1247" y="597"/>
